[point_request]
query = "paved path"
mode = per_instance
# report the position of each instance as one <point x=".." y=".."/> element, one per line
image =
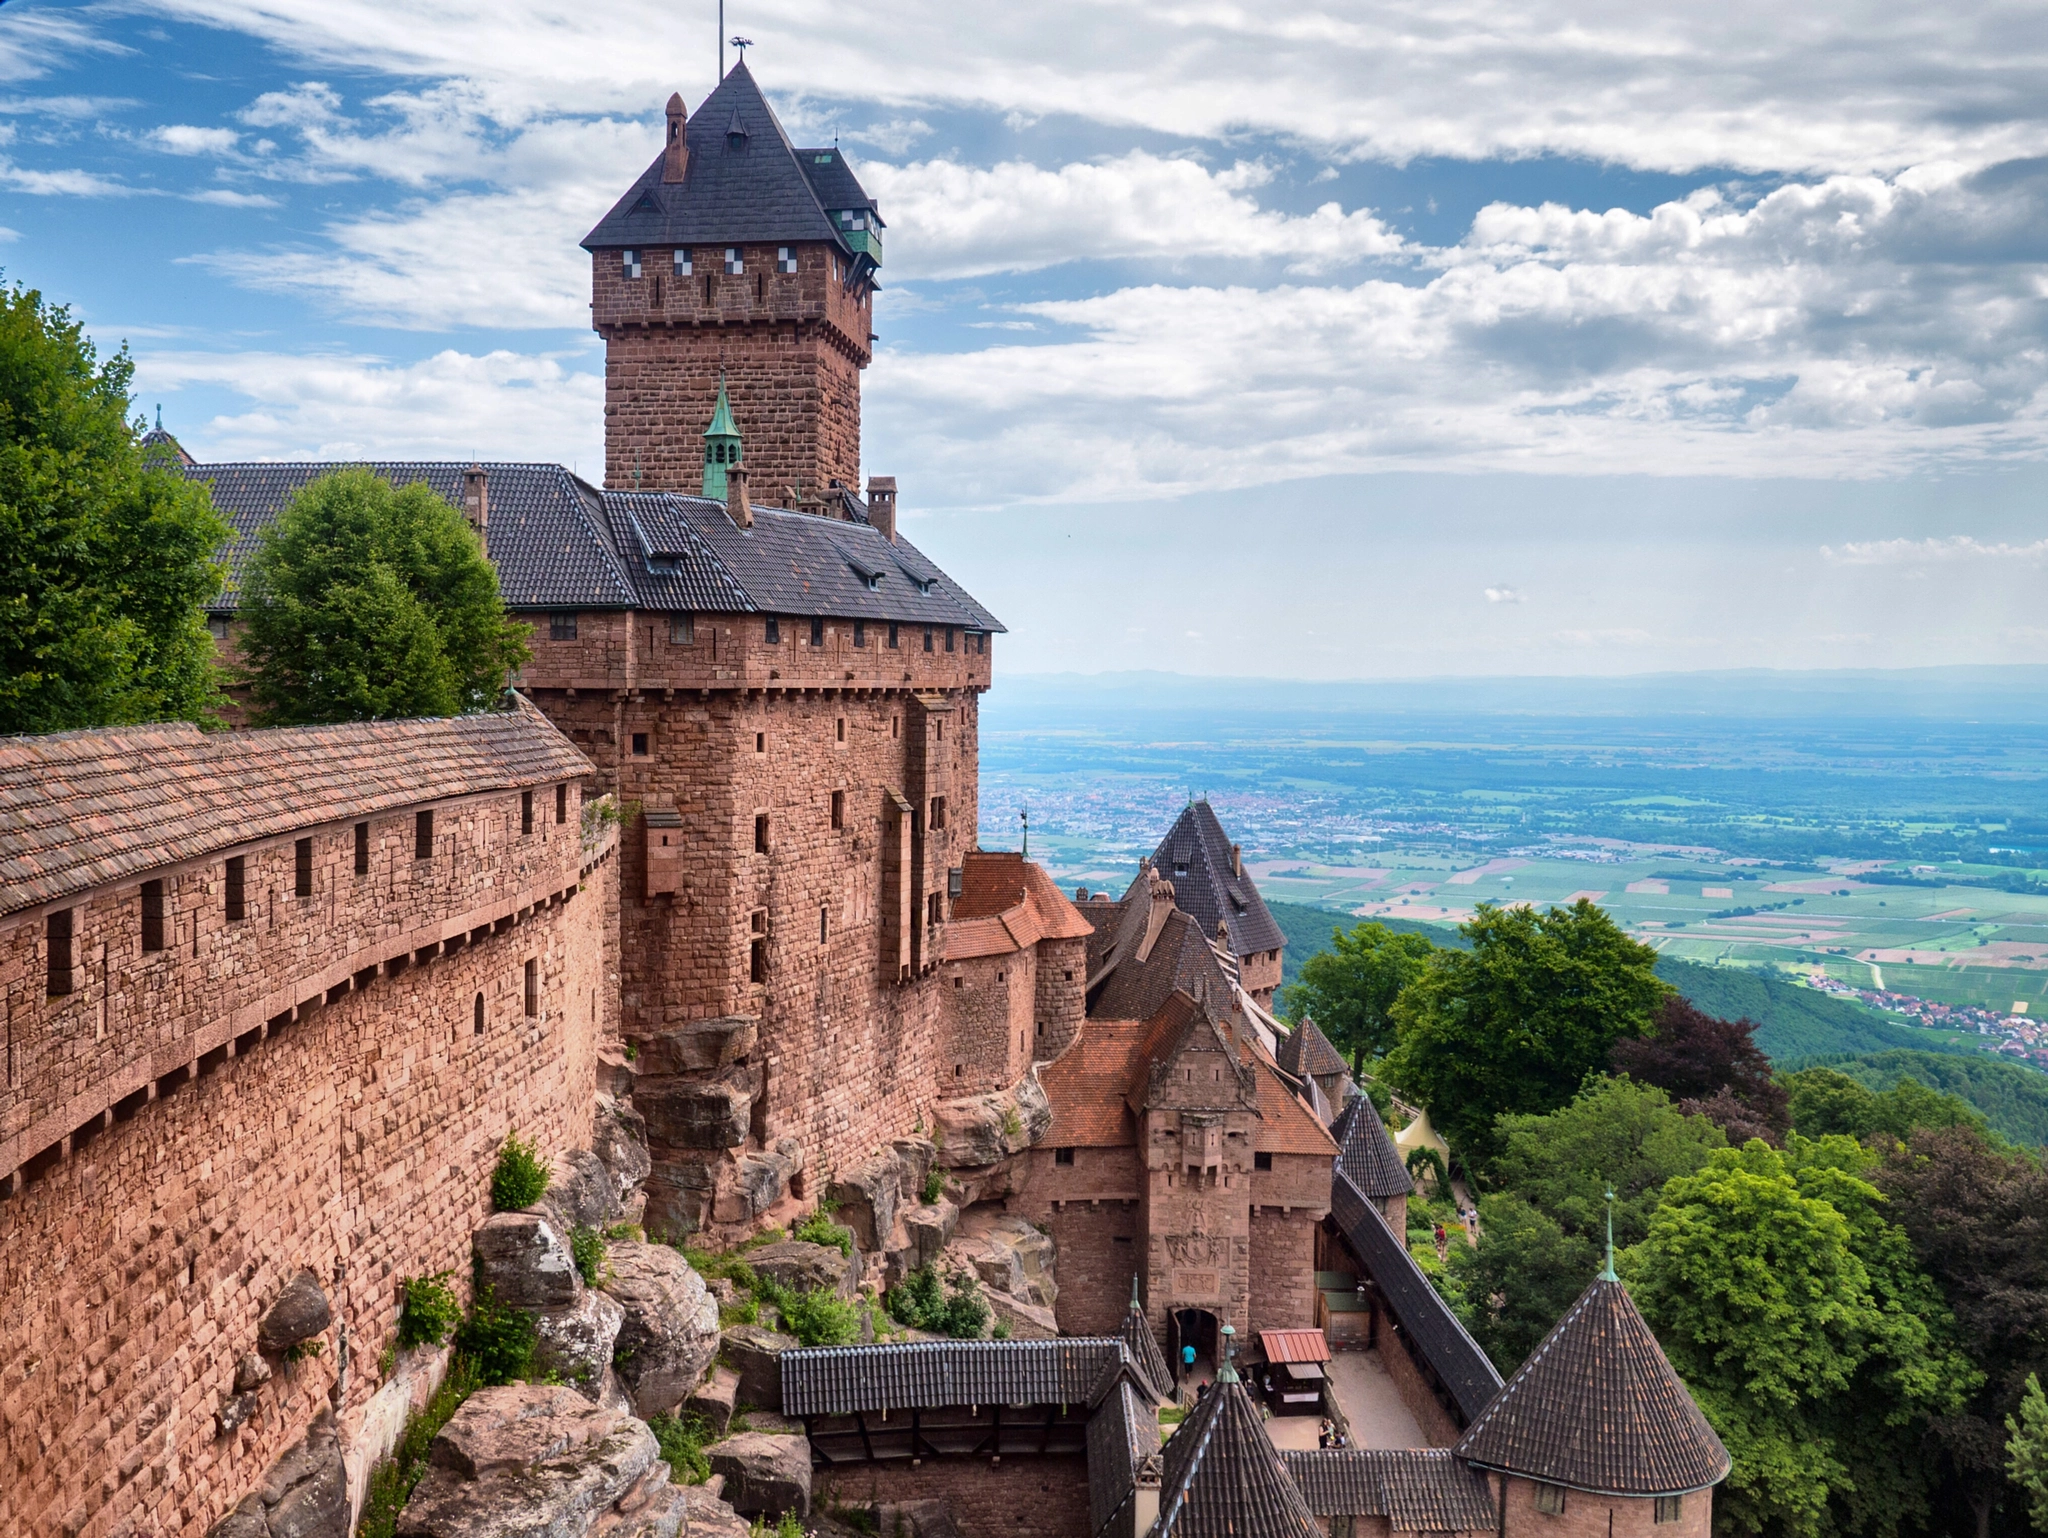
<point x="1371" y="1403"/>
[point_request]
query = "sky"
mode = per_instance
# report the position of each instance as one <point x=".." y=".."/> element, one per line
<point x="1344" y="341"/>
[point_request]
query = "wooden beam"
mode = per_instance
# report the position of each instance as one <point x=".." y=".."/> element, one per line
<point x="1052" y="1413"/>
<point x="861" y="1420"/>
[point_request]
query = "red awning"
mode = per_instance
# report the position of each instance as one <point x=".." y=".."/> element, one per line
<point x="1294" y="1345"/>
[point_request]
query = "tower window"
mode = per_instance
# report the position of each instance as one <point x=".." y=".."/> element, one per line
<point x="927" y="638"/>
<point x="1550" y="1500"/>
<point x="892" y="635"/>
<point x="217" y="626"/>
<point x="785" y="259"/>
<point x="526" y="811"/>
<point x="1063" y="1156"/>
<point x="757" y="961"/>
<point x="771" y="630"/>
<point x="1262" y="1161"/>
<point x="682" y="630"/>
<point x="533" y="986"/>
<point x="817" y="632"/>
<point x="683" y="267"/>
<point x="838" y="808"/>
<point x="860" y="632"/>
<point x="423" y="836"/>
<point x="824" y="926"/>
<point x="735" y="263"/>
<point x="233" y="903"/>
<point x="760" y="833"/>
<point x="302" y="868"/>
<point x="938" y="812"/>
<point x="1670" y="1508"/>
<point x="561" y="627"/>
<point x="561" y="803"/>
<point x="57" y="940"/>
<point x="760" y="742"/>
<point x="363" y="848"/>
<point x="152" y="915"/>
<point x="477" y="1016"/>
<point x="632" y="263"/>
<point x="839" y="729"/>
<point x="639" y="744"/>
<point x="949" y="638"/>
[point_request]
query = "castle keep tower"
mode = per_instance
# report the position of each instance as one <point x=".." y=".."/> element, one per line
<point x="740" y="257"/>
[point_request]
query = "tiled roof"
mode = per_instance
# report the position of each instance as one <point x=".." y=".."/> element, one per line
<point x="1007" y="903"/>
<point x="1598" y="1407"/>
<point x="1368" y="1155"/>
<point x="1144" y="1350"/>
<point x="1294" y="1345"/>
<point x="79" y="809"/>
<point x="1180" y="958"/>
<point x="1306" y="1052"/>
<point x="1223" y="1478"/>
<point x="1418" y="1489"/>
<point x="1086" y="1085"/>
<point x="1195" y="856"/>
<point x="1288" y="1126"/>
<point x="559" y="543"/>
<point x="1123" y="1432"/>
<point x="839" y="1380"/>
<point x="1433" y="1331"/>
<point x="760" y="193"/>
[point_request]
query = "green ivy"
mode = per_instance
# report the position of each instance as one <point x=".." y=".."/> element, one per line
<point x="521" y="1176"/>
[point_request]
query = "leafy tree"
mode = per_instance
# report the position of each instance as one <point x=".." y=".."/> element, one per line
<point x="1798" y="1318"/>
<point x="1713" y="1068"/>
<point x="1824" y="1103"/>
<point x="1977" y="1217"/>
<point x="105" y="559"/>
<point x="1615" y="1134"/>
<point x="1517" y="1282"/>
<point x="1350" y="989"/>
<point x="1517" y="1023"/>
<point x="366" y="602"/>
<point x="2026" y="1453"/>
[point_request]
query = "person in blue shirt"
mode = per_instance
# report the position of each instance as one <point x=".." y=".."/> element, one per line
<point x="1187" y="1358"/>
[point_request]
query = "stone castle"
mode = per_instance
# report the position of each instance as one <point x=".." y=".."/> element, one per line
<point x="704" y="912"/>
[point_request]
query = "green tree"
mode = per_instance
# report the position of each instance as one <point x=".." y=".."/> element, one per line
<point x="1517" y="1023"/>
<point x="366" y="602"/>
<point x="1350" y="989"/>
<point x="1520" y="1278"/>
<point x="1827" y="1103"/>
<point x="2026" y="1453"/>
<point x="1616" y="1134"/>
<point x="105" y="559"/>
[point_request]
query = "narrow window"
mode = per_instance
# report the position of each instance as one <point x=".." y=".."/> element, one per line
<point x="860" y="632"/>
<point x="760" y="833"/>
<point x="362" y="849"/>
<point x="938" y="813"/>
<point x="931" y="906"/>
<point x="892" y="635"/>
<point x="1262" y="1161"/>
<point x="234" y="905"/>
<point x="1550" y="1500"/>
<point x="838" y="808"/>
<point x="526" y="811"/>
<point x="760" y="287"/>
<point x="817" y="632"/>
<point x="771" y="630"/>
<point x="839" y="729"/>
<point x="682" y="259"/>
<point x="57" y="940"/>
<point x="217" y="626"/>
<point x="981" y="642"/>
<point x="757" y="961"/>
<point x="302" y="868"/>
<point x="1063" y="1156"/>
<point x="152" y="915"/>
<point x="959" y="983"/>
<point x="895" y="725"/>
<point x="1670" y="1508"/>
<point x="927" y="638"/>
<point x="824" y="931"/>
<point x="785" y="259"/>
<point x="423" y="836"/>
<point x="639" y="744"/>
<point x="562" y="626"/>
<point x="477" y="1016"/>
<point x="949" y="638"/>
<point x="735" y="263"/>
<point x="561" y="803"/>
<point x="631" y="264"/>
<point x="533" y="986"/>
<point x="710" y="290"/>
<point x="760" y="742"/>
<point x="682" y="630"/>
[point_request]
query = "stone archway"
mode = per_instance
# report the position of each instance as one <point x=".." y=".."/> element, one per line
<point x="1196" y="1327"/>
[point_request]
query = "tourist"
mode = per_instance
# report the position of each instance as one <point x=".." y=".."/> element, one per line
<point x="1323" y="1433"/>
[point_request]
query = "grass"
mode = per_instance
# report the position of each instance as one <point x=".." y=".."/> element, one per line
<point x="682" y="1439"/>
<point x="392" y="1480"/>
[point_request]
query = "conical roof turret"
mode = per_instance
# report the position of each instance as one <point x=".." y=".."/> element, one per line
<point x="1367" y="1155"/>
<point x="1222" y="1477"/>
<point x="1144" y="1349"/>
<point x="1598" y="1407"/>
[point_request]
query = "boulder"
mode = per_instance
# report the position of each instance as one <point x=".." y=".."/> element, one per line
<point x="525" y="1262"/>
<point x="985" y="1129"/>
<point x="300" y="1313"/>
<point x="754" y="1352"/>
<point x="581" y="1193"/>
<point x="303" y="1495"/>
<point x="710" y="1516"/>
<point x="577" y="1342"/>
<point x="680" y="1189"/>
<point x="615" y="1074"/>
<point x="681" y="1114"/>
<point x="764" y="1475"/>
<point x="670" y="1330"/>
<point x="760" y="1180"/>
<point x="700" y="1046"/>
<point x="929" y="1229"/>
<point x="1027" y="1320"/>
<point x="807" y="1267"/>
<point x="234" y="1413"/>
<point x="251" y="1372"/>
<point x="618" y="1136"/>
<point x="527" y="1459"/>
<point x="715" y="1399"/>
<point x="1034" y="1255"/>
<point x="867" y="1197"/>
<point x="914" y="1157"/>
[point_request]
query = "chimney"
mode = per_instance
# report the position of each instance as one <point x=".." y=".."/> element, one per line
<point x="737" y="507"/>
<point x="675" y="157"/>
<point x="882" y="505"/>
<point x="1237" y="861"/>
<point x="476" y="503"/>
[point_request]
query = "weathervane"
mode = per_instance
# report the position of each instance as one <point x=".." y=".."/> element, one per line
<point x="742" y="44"/>
<point x="1025" y="818"/>
<point x="1608" y="1274"/>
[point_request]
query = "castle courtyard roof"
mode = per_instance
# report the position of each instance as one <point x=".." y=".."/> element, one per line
<point x="1417" y="1489"/>
<point x="1196" y="856"/>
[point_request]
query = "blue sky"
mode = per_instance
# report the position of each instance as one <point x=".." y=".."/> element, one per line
<point x="1355" y="341"/>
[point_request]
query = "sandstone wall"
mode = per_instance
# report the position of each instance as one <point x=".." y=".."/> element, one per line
<point x="1594" y="1516"/>
<point x="1283" y="1270"/>
<point x="989" y="1498"/>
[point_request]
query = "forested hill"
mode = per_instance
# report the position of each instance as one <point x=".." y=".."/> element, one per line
<point x="2013" y="1098"/>
<point x="1308" y="931"/>
<point x="1792" y="1022"/>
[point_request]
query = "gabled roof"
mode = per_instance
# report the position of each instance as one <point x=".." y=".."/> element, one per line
<point x="1598" y="1407"/>
<point x="1289" y="1125"/>
<point x="842" y="1380"/>
<point x="1223" y="1478"/>
<point x="1195" y="856"/>
<point x="1007" y="903"/>
<point x="1144" y="1350"/>
<point x="85" y="808"/>
<point x="1306" y="1052"/>
<point x="761" y="193"/>
<point x="1433" y="1330"/>
<point x="1086" y="1084"/>
<point x="1368" y="1155"/>
<point x="1418" y="1489"/>
<point x="1139" y="978"/>
<point x="1123" y="1432"/>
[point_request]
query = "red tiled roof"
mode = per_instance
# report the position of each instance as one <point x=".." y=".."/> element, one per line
<point x="1086" y="1086"/>
<point x="1006" y="904"/>
<point x="81" y="809"/>
<point x="1288" y="1126"/>
<point x="1294" y="1345"/>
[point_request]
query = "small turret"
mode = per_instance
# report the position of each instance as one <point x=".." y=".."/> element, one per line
<point x="721" y="445"/>
<point x="675" y="155"/>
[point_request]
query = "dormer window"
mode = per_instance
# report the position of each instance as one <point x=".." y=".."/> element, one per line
<point x="632" y="263"/>
<point x="735" y="262"/>
<point x="852" y="219"/>
<point x="785" y="259"/>
<point x="683" y="267"/>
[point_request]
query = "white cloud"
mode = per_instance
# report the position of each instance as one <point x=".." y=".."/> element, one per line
<point x="184" y="139"/>
<point x="61" y="184"/>
<point x="1928" y="552"/>
<point x="225" y="197"/>
<point x="1502" y="595"/>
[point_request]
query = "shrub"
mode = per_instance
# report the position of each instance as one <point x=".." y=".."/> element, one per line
<point x="786" y="1526"/>
<point x="392" y="1480"/>
<point x="1000" y="1330"/>
<point x="429" y="1311"/>
<point x="521" y="1178"/>
<point x="682" y="1439"/>
<point x="740" y="1311"/>
<point x="934" y="1187"/>
<point x="966" y="1311"/>
<point x="924" y="1302"/>
<point x="499" y="1342"/>
<point x="820" y="1229"/>
<point x="586" y="1248"/>
<point x="819" y="1318"/>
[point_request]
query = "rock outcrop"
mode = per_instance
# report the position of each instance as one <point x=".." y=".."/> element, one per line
<point x="755" y="1354"/>
<point x="765" y="1475"/>
<point x="300" y="1313"/>
<point x="618" y="1136"/>
<point x="577" y="1342"/>
<point x="986" y="1129"/>
<point x="669" y="1332"/>
<point x="525" y="1262"/>
<point x="808" y="1267"/>
<point x="305" y="1494"/>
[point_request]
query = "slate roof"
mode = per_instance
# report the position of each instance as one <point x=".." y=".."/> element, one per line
<point x="762" y="194"/>
<point x="1367" y="1152"/>
<point x="1306" y="1052"/>
<point x="1223" y="1478"/>
<point x="1208" y="890"/>
<point x="839" y="1380"/>
<point x="1418" y="1489"/>
<point x="1598" y="1407"/>
<point x="1144" y="1350"/>
<point x="1432" y="1329"/>
<point x="80" y="809"/>
<point x="1123" y="1432"/>
<point x="560" y="543"/>
<point x="1137" y="985"/>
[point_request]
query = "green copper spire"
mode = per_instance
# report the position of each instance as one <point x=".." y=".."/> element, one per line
<point x="1227" y="1373"/>
<point x="721" y="445"/>
<point x="1607" y="1275"/>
